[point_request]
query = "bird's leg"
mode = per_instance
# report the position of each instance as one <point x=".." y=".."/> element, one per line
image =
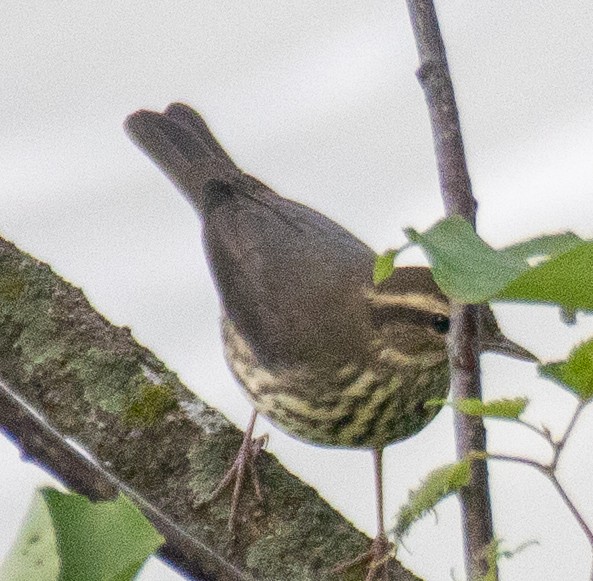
<point x="379" y="555"/>
<point x="236" y="475"/>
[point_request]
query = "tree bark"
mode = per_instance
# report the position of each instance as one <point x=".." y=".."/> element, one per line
<point x="464" y="361"/>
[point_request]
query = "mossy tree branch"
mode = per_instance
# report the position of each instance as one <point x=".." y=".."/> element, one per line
<point x="68" y="375"/>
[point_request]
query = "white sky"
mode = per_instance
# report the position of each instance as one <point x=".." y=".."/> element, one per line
<point x="318" y="99"/>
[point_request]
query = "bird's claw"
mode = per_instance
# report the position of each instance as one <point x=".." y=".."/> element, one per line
<point x="236" y="476"/>
<point x="378" y="557"/>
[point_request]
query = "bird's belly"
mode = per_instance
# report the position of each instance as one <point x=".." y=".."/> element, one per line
<point x="354" y="408"/>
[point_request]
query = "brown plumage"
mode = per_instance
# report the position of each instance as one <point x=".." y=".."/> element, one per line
<point x="321" y="351"/>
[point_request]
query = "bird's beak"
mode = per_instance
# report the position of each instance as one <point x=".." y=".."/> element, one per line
<point x="492" y="338"/>
<point x="504" y="346"/>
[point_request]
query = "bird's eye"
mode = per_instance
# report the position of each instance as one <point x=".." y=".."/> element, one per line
<point x="440" y="324"/>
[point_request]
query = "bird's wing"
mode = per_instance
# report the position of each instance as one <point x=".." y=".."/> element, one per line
<point x="285" y="272"/>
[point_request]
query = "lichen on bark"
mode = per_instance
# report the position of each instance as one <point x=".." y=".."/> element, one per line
<point x="98" y="387"/>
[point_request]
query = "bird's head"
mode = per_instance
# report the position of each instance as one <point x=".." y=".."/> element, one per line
<point x="411" y="317"/>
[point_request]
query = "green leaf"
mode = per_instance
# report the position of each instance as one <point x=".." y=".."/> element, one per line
<point x="463" y="265"/>
<point x="566" y="280"/>
<point x="439" y="484"/>
<point x="100" y="540"/>
<point x="576" y="373"/>
<point x="493" y="554"/>
<point x="544" y="246"/>
<point x="384" y="266"/>
<point x="69" y="538"/>
<point x="34" y="555"/>
<point x="509" y="409"/>
<point x="470" y="271"/>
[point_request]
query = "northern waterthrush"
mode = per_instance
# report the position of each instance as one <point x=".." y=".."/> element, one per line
<point x="321" y="351"/>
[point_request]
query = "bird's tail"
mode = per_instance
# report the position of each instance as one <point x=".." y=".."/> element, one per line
<point x="180" y="143"/>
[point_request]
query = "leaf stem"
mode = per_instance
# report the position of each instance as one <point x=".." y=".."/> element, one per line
<point x="543" y="433"/>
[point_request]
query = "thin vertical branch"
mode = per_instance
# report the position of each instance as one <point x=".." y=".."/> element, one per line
<point x="456" y="191"/>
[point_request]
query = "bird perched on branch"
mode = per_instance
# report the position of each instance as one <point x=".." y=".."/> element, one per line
<point x="320" y="350"/>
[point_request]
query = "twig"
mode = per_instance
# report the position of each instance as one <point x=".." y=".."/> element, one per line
<point x="520" y="460"/>
<point x="573" y="509"/>
<point x="435" y="80"/>
<point x="543" y="433"/>
<point x="559" y="446"/>
<point x="549" y="470"/>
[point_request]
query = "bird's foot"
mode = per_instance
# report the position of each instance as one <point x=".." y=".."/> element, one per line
<point x="377" y="560"/>
<point x="244" y="467"/>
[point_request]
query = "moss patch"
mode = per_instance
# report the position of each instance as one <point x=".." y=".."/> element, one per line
<point x="150" y="403"/>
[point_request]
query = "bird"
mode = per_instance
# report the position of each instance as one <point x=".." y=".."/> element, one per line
<point x="323" y="352"/>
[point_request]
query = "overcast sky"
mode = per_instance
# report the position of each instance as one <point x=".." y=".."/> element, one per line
<point x="319" y="100"/>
